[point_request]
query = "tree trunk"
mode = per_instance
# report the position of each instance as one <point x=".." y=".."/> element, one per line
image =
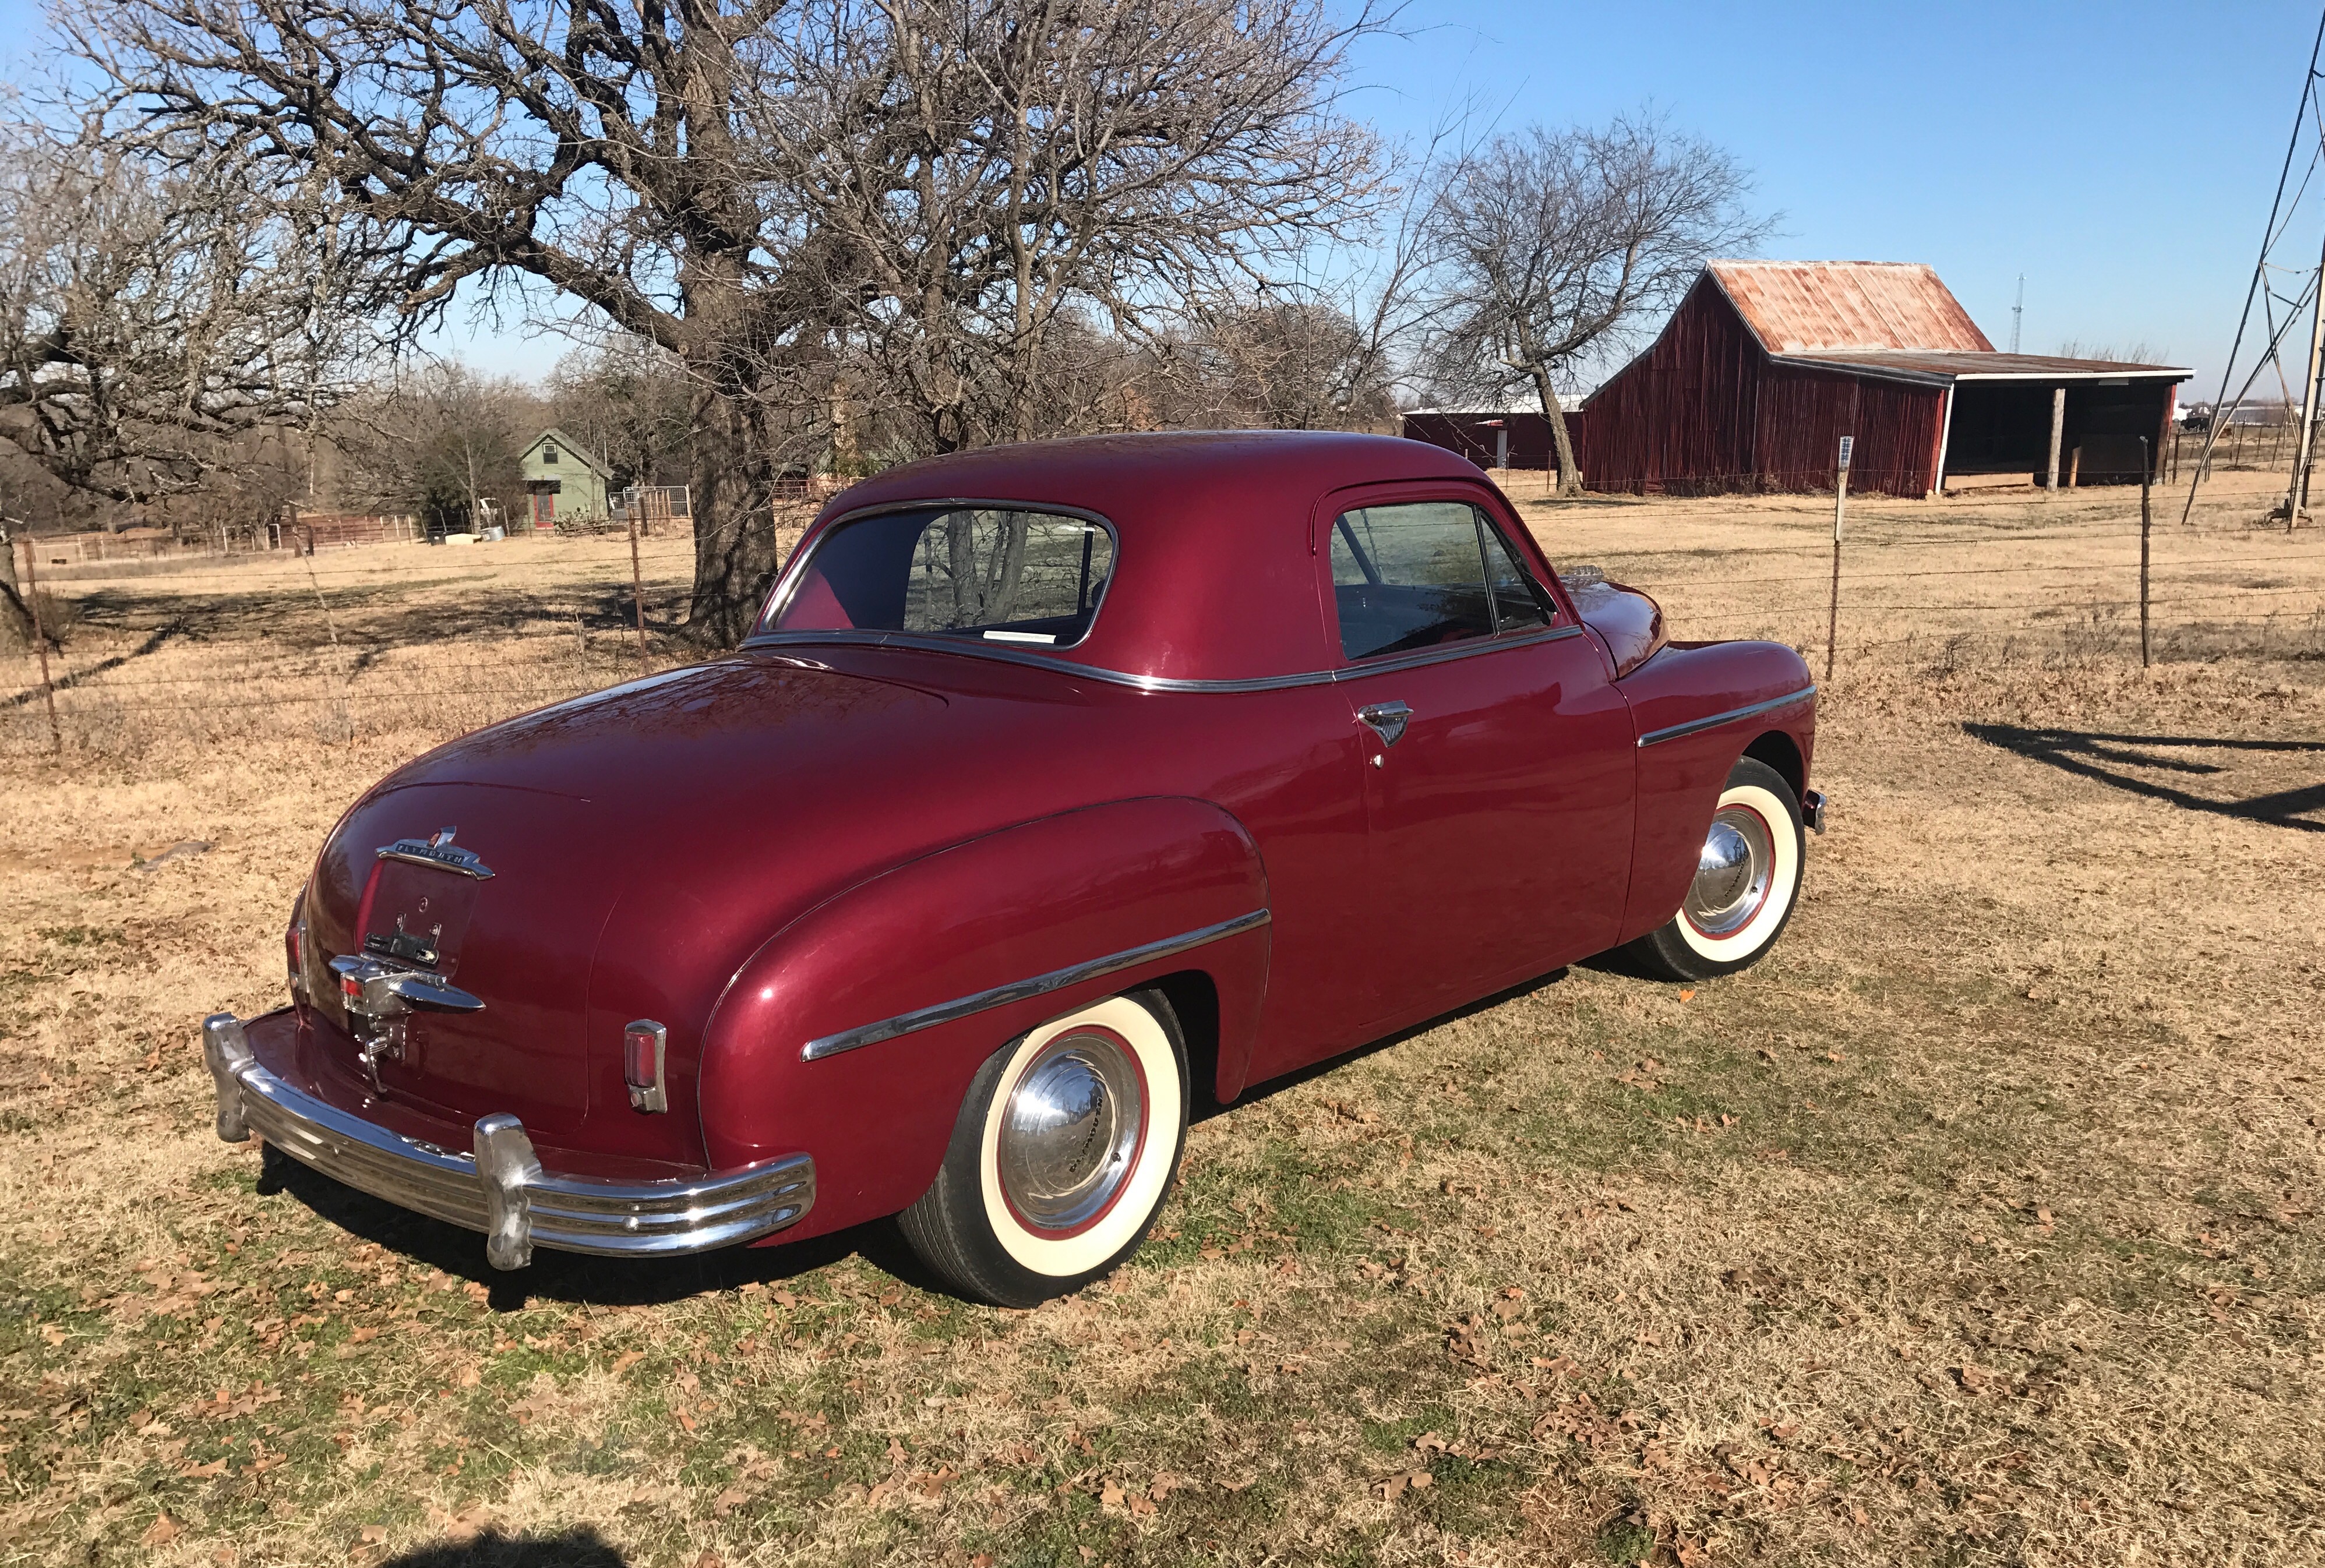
<point x="734" y="526"/>
<point x="1570" y="475"/>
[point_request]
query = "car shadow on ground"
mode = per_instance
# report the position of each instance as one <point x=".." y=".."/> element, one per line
<point x="580" y="1547"/>
<point x="571" y="1278"/>
<point x="577" y="1280"/>
<point x="2103" y="759"/>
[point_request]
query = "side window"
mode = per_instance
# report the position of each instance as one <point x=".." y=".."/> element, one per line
<point x="1519" y="601"/>
<point x="1408" y="576"/>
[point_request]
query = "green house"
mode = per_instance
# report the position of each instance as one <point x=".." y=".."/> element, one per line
<point x="562" y="478"/>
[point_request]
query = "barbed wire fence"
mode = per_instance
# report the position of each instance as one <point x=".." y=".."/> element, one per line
<point x="352" y="645"/>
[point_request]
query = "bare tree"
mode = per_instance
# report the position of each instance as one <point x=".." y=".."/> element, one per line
<point x="1552" y="247"/>
<point x="906" y="192"/>
<point x="441" y="444"/>
<point x="149" y="319"/>
<point x="629" y="399"/>
<point x="990" y="176"/>
<point x="1295" y="363"/>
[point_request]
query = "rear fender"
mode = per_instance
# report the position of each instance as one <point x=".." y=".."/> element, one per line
<point x="1698" y="707"/>
<point x="1025" y="902"/>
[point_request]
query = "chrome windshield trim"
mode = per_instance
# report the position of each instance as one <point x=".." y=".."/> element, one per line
<point x="1693" y="726"/>
<point x="925" y="644"/>
<point x="945" y="1012"/>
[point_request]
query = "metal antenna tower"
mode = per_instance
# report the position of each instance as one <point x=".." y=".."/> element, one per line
<point x="2017" y="312"/>
<point x="2279" y="310"/>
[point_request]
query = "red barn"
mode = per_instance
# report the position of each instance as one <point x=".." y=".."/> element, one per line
<point x="1766" y="364"/>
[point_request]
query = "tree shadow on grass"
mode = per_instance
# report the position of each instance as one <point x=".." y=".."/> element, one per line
<point x="579" y="1547"/>
<point x="2102" y="758"/>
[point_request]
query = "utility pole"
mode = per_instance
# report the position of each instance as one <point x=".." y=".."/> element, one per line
<point x="2296" y="492"/>
<point x="2017" y="312"/>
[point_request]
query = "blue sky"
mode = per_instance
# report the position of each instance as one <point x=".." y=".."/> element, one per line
<point x="2121" y="155"/>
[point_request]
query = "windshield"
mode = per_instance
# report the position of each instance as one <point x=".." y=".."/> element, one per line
<point x="1028" y="577"/>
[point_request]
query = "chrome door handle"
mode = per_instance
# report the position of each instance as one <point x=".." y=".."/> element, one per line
<point x="1387" y="719"/>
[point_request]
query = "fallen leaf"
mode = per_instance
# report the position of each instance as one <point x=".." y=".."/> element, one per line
<point x="627" y="1359"/>
<point x="727" y="1501"/>
<point x="1688" y="995"/>
<point x="162" y="1531"/>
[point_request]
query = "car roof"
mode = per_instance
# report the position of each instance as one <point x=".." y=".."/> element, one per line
<point x="1214" y="579"/>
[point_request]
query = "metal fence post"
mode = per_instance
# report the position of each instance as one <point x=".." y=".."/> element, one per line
<point x="2145" y="519"/>
<point x="1839" y="509"/>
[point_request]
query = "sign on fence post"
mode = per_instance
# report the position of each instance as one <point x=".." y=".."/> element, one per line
<point x="1840" y="511"/>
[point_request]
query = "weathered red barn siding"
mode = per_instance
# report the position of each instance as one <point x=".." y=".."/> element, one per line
<point x="1804" y="414"/>
<point x="1705" y="411"/>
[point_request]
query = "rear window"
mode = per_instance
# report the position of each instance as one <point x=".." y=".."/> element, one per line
<point x="1027" y="579"/>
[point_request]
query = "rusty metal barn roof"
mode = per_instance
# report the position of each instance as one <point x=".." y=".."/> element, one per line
<point x="1797" y="307"/>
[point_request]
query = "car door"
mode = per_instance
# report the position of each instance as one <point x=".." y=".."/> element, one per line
<point x="1499" y="771"/>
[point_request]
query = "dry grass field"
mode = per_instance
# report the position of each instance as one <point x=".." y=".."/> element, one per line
<point x="1979" y="1225"/>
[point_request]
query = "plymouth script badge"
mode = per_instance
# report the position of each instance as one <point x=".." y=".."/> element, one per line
<point x="437" y="850"/>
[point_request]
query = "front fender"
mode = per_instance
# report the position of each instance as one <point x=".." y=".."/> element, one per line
<point x="1026" y="902"/>
<point x="1697" y="707"/>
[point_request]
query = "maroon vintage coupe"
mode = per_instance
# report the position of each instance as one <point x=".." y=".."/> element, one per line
<point x="1057" y="779"/>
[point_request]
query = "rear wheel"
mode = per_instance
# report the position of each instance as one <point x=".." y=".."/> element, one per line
<point x="1747" y="878"/>
<point x="1066" y="1143"/>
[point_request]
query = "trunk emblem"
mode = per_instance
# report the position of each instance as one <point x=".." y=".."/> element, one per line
<point x="437" y="850"/>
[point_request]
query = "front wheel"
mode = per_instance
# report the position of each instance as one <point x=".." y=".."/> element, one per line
<point x="1066" y="1143"/>
<point x="1747" y="878"/>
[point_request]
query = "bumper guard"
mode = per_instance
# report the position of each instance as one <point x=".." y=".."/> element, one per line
<point x="501" y="1188"/>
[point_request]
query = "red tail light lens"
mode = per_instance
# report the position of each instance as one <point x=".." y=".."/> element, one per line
<point x="644" y="1046"/>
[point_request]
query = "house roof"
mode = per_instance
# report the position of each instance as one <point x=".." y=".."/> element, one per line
<point x="1810" y="307"/>
<point x="566" y="443"/>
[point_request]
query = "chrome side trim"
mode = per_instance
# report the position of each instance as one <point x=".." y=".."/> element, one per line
<point x="945" y="1012"/>
<point x="1695" y="725"/>
<point x="924" y="643"/>
<point x="501" y="1188"/>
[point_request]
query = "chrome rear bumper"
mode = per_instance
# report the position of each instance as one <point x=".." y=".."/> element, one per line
<point x="500" y="1187"/>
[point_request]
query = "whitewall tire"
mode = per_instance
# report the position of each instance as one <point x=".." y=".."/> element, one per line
<point x="1063" y="1150"/>
<point x="1747" y="880"/>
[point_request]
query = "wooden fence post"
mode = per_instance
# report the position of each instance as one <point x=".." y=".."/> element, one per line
<point x="637" y="586"/>
<point x="41" y="638"/>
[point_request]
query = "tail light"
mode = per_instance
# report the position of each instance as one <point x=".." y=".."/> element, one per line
<point x="644" y="1044"/>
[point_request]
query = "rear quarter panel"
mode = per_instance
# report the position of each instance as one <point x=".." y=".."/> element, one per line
<point x="1681" y="775"/>
<point x="1021" y="902"/>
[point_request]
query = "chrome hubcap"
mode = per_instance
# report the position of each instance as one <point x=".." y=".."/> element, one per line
<point x="1731" y="873"/>
<point x="1070" y="1131"/>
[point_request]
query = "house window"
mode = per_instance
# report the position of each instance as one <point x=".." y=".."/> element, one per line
<point x="549" y="452"/>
